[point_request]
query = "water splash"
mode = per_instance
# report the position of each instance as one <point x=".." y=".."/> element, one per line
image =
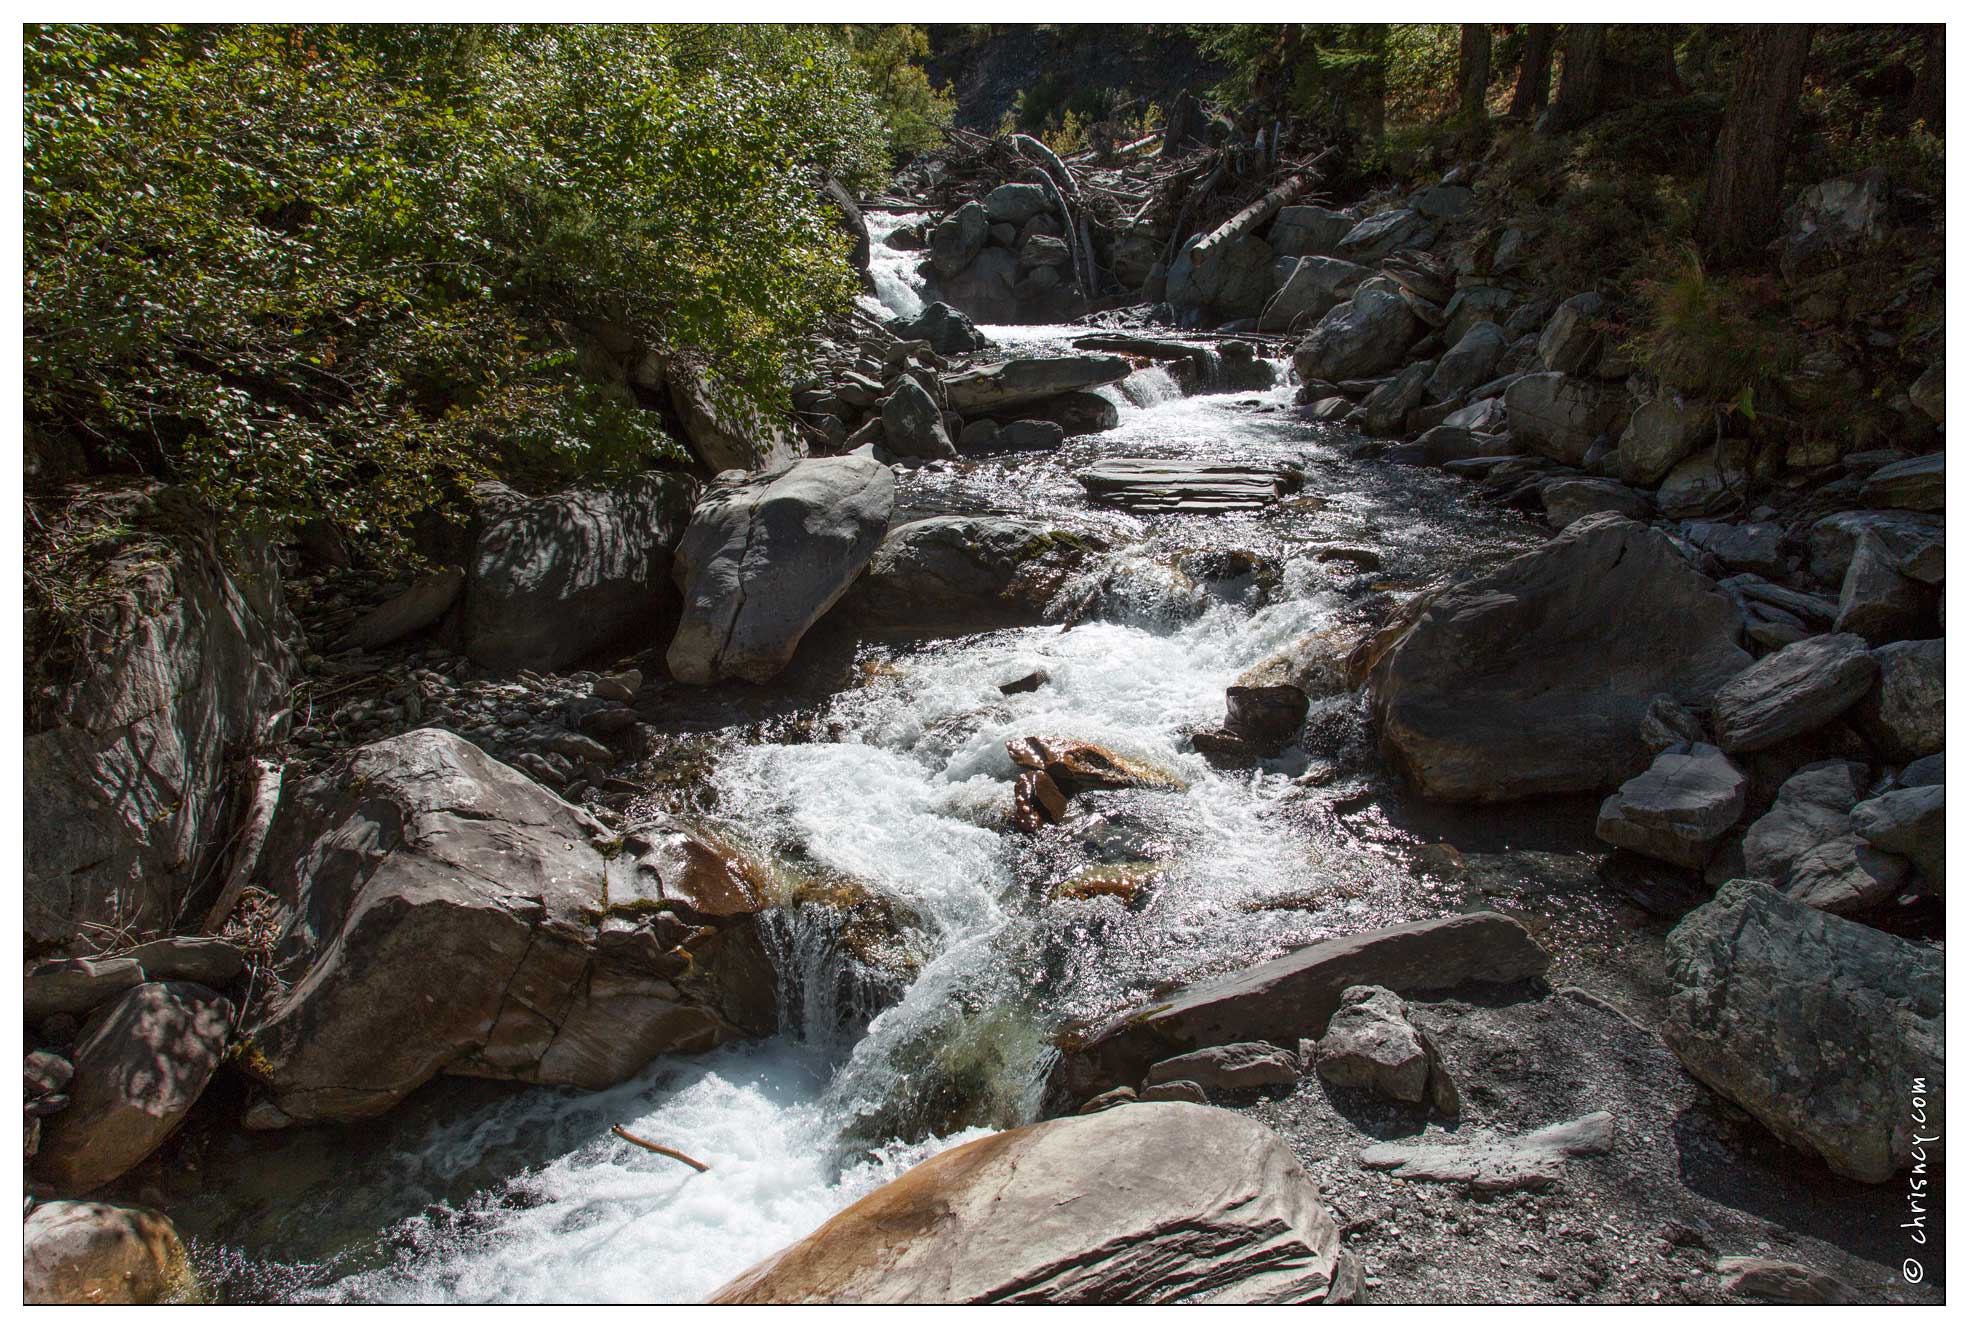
<point x="898" y="285"/>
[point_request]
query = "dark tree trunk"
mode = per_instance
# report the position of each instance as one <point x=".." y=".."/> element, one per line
<point x="1583" y="80"/>
<point x="1534" y="88"/>
<point x="1181" y="128"/>
<point x="1473" y="63"/>
<point x="1741" y="203"/>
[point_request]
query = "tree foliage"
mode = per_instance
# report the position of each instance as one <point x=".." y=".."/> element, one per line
<point x="323" y="270"/>
<point x="890" y="57"/>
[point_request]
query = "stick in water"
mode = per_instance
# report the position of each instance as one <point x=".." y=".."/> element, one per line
<point x="659" y="1149"/>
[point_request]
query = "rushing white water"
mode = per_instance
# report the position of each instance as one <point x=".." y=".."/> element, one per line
<point x="898" y="288"/>
<point x="1144" y="388"/>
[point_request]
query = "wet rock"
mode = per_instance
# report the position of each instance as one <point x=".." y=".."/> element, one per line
<point x="86" y="1253"/>
<point x="554" y="579"/>
<point x="1567" y="500"/>
<point x="912" y="426"/>
<point x="1492" y="1164"/>
<point x="1661" y="432"/>
<point x="947" y="330"/>
<point x="1496" y="693"/>
<point x="1845" y="876"/>
<point x="1295" y="995"/>
<point x="1031" y="682"/>
<point x="1079" y="767"/>
<point x="1121" y="881"/>
<point x="1078" y="413"/>
<point x="1560" y="417"/>
<point x="1229" y="1067"/>
<point x="994" y="389"/>
<point x="1914" y="485"/>
<point x="1036" y="801"/>
<point x="1905" y="716"/>
<point x="1368" y="335"/>
<point x="1029" y="436"/>
<point x="765" y="556"/>
<point x="1813" y="806"/>
<point x="1782" y="1282"/>
<point x="1093" y="1209"/>
<point x="446" y="915"/>
<point x="1875" y="600"/>
<point x="1813" y="1024"/>
<point x="76" y="987"/>
<point x="139" y="1067"/>
<point x="1678" y="808"/>
<point x="423" y="603"/>
<point x="1793" y="691"/>
<point x="965" y="574"/>
<point x="1270" y="717"/>
<point x="1912" y="823"/>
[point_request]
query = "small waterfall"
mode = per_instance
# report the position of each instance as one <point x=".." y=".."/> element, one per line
<point x="898" y="287"/>
<point x="1149" y="387"/>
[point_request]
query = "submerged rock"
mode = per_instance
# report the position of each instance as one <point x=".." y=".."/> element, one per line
<point x="1815" y="1025"/>
<point x="1105" y="1208"/>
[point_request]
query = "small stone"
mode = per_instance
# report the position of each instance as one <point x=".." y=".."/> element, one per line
<point x="1370" y="1044"/>
<point x="1102" y="1102"/>
<point x="1175" y="1091"/>
<point x="1678" y="808"/>
<point x="1031" y="682"/>
<point x="1782" y="1281"/>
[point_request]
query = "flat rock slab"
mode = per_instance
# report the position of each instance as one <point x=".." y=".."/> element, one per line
<point x="1678" y="808"/>
<point x="1495" y="1163"/>
<point x="1294" y="996"/>
<point x="1148" y="485"/>
<point x="1145" y="1202"/>
<point x="1793" y="691"/>
<point x="1016" y="383"/>
<point x="1233" y="1066"/>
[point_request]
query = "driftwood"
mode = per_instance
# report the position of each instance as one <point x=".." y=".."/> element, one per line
<point x="1080" y="241"/>
<point x="252" y="839"/>
<point x="1253" y="216"/>
<point x="659" y="1149"/>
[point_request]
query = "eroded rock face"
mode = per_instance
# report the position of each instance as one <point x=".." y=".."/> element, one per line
<point x="448" y="915"/>
<point x="555" y="579"/>
<point x="765" y="556"/>
<point x="85" y="1253"/>
<point x="124" y="781"/>
<point x="140" y="1066"/>
<point x="1106" y="1208"/>
<point x="1500" y="691"/>
<point x="1815" y="1025"/>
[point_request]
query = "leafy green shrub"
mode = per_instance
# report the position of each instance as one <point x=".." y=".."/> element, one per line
<point x="890" y="57"/>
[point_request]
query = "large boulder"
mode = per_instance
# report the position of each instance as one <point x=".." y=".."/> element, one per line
<point x="965" y="574"/>
<point x="1468" y="363"/>
<point x="1817" y="1026"/>
<point x="1007" y="387"/>
<point x="1905" y="716"/>
<point x="1560" y="416"/>
<point x="140" y="1065"/>
<point x="1368" y="335"/>
<point x="1535" y="679"/>
<point x="1834" y="539"/>
<point x="1143" y="1203"/>
<point x="1307" y="288"/>
<point x="1307" y="230"/>
<point x="765" y="556"/>
<point x="1293" y="996"/>
<point x="1382" y="234"/>
<point x="555" y="579"/>
<point x="947" y="331"/>
<point x="1570" y="343"/>
<point x="1661" y="432"/>
<point x="1016" y="203"/>
<point x="1812" y="807"/>
<point x="1678" y="808"/>
<point x="86" y="1253"/>
<point x="1911" y="823"/>
<point x="445" y="914"/>
<point x="987" y="290"/>
<point x="126" y="797"/>
<point x="723" y="429"/>
<point x="1790" y="692"/>
<point x="958" y="238"/>
<point x="912" y="426"/>
<point x="1877" y="600"/>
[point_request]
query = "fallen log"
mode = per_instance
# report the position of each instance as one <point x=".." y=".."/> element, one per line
<point x="1251" y="217"/>
<point x="659" y="1149"/>
<point x="252" y="839"/>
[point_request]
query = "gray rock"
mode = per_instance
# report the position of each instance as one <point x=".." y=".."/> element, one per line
<point x="1231" y="1066"/>
<point x="947" y="330"/>
<point x="1833" y="539"/>
<point x="1914" y="485"/>
<point x="1875" y="600"/>
<point x="1667" y="723"/>
<point x="1568" y="499"/>
<point x="555" y="579"/>
<point x="1492" y="1164"/>
<point x="427" y="600"/>
<point x="1044" y="251"/>
<point x="1111" y="1099"/>
<point x="1678" y="808"/>
<point x="1813" y="806"/>
<point x="1384" y="410"/>
<point x="125" y="780"/>
<point x="87" y="1253"/>
<point x="1382" y="234"/>
<point x="1295" y="995"/>
<point x="1467" y="363"/>
<point x="1096" y="1209"/>
<point x="1309" y="231"/>
<point x="1749" y="547"/>
<point x="1793" y="691"/>
<point x="1906" y="715"/>
<point x="1560" y="417"/>
<point x="1487" y="416"/>
<point x="210" y="961"/>
<point x="1815" y="1025"/>
<point x="1441" y="202"/>
<point x="765" y="556"/>
<point x="1845" y="876"/>
<point x="1706" y="480"/>
<point x="958" y="238"/>
<point x="1370" y="1044"/>
<point x="447" y="915"/>
<point x="1926" y="770"/>
<point x="994" y="389"/>
<point x="1016" y="203"/>
<point x="1235" y="280"/>
<point x="1309" y="288"/>
<point x="1783" y="1282"/>
<point x="1496" y="693"/>
<point x="1270" y="717"/>
<point x="1661" y="432"/>
<point x="1911" y="823"/>
<point x="912" y="426"/>
<point x="1368" y="335"/>
<point x="139" y="1067"/>
<point x="1078" y="412"/>
<point x="76" y="987"/>
<point x="1570" y="343"/>
<point x="1030" y="436"/>
<point x="1175" y="1091"/>
<point x="723" y="429"/>
<point x="965" y="574"/>
<point x="1149" y="485"/>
